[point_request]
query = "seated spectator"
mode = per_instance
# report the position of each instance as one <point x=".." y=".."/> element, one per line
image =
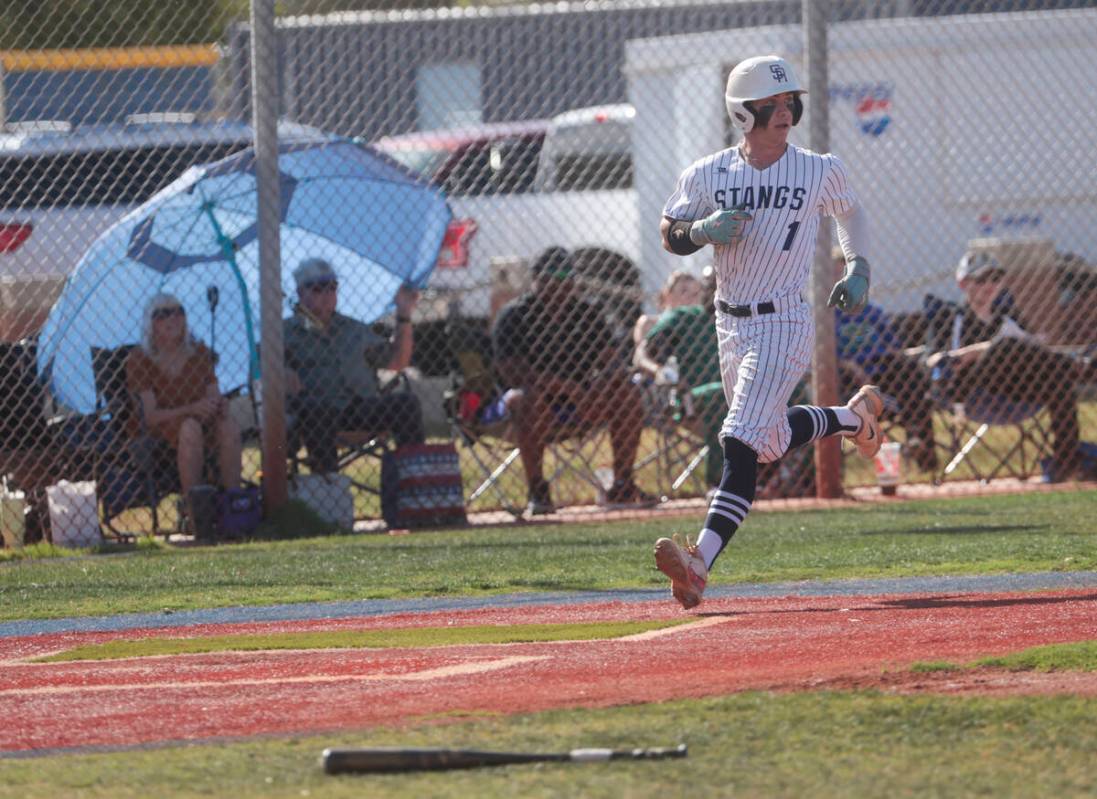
<point x="680" y="289"/>
<point x="555" y="352"/>
<point x="687" y="332"/>
<point x="991" y="353"/>
<point x="869" y="351"/>
<point x="331" y="368"/>
<point x="172" y="376"/>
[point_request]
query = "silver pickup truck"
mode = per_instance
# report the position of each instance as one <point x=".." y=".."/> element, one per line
<point x="516" y="188"/>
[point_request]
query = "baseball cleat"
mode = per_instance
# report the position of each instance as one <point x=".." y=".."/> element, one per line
<point x="685" y="567"/>
<point x="867" y="404"/>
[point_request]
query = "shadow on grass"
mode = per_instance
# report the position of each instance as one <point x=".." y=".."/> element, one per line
<point x="922" y="603"/>
<point x="966" y="529"/>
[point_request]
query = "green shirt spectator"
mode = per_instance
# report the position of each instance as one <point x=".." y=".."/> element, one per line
<point x="689" y="334"/>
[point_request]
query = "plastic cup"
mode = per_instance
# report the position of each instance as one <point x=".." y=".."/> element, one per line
<point x="889" y="467"/>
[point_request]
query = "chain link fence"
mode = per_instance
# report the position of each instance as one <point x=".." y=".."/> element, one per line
<point x="479" y="315"/>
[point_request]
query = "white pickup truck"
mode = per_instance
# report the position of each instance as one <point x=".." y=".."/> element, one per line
<point x="516" y="188"/>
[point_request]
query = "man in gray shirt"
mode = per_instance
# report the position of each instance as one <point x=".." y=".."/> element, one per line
<point x="331" y="368"/>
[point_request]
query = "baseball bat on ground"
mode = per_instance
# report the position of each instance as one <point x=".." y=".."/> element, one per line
<point x="379" y="760"/>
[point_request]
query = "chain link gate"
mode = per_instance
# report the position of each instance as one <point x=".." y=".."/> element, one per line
<point x="436" y="165"/>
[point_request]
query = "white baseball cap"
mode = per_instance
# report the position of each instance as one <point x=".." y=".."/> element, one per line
<point x="975" y="264"/>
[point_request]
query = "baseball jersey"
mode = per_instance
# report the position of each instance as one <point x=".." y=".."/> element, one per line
<point x="786" y="200"/>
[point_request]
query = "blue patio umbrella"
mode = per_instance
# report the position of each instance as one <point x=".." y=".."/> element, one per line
<point x="379" y="225"/>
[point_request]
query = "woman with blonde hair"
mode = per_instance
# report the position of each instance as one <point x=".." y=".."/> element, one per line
<point x="172" y="376"/>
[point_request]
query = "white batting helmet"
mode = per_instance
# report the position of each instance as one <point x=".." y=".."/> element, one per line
<point x="757" y="78"/>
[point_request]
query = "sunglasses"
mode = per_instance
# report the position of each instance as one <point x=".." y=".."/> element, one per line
<point x="987" y="277"/>
<point x="167" y="313"/>
<point x="323" y="286"/>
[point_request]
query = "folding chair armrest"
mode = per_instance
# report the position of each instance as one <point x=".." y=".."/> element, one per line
<point x="707" y="390"/>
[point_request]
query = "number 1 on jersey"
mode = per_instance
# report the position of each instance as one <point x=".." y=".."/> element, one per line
<point x="792" y="228"/>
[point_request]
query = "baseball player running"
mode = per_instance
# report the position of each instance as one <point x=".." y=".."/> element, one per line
<point x="758" y="205"/>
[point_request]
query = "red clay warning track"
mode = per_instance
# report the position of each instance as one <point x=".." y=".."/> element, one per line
<point x="791" y="643"/>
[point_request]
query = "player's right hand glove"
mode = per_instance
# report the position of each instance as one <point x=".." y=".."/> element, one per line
<point x="851" y="292"/>
<point x="720" y="227"/>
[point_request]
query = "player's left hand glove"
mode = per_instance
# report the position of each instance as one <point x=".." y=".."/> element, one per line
<point x="851" y="292"/>
<point x="720" y="227"/>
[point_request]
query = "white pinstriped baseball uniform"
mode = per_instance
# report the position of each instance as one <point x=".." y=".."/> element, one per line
<point x="764" y="356"/>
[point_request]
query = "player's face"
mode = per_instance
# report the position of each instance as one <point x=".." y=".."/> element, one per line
<point x="776" y="112"/>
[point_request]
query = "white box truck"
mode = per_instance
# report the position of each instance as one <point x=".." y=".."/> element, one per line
<point x="953" y="129"/>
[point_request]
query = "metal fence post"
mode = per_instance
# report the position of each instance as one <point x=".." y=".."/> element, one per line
<point x="824" y="377"/>
<point x="264" y="105"/>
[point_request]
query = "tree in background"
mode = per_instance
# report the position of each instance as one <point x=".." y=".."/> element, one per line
<point x="49" y="24"/>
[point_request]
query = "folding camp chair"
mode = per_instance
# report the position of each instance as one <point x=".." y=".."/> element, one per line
<point x="676" y="443"/>
<point x="133" y="472"/>
<point x="475" y="409"/>
<point x="994" y="437"/>
<point x="990" y="434"/>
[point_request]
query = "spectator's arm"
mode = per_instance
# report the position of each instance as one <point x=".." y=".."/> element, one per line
<point x="643" y="360"/>
<point x="508" y="348"/>
<point x="402" y="345"/>
<point x="213" y="394"/>
<point x="293" y="383"/>
<point x="963" y="356"/>
<point x="643" y="326"/>
<point x="204" y="408"/>
<point x="966" y="356"/>
<point x="655" y="349"/>
<point x="402" y="339"/>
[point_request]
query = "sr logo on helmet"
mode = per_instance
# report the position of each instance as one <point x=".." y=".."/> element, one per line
<point x="758" y="78"/>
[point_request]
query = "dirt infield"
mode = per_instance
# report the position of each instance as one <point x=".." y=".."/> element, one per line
<point x="789" y="643"/>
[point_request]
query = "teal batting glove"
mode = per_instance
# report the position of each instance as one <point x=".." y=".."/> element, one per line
<point x="850" y="293"/>
<point x="720" y="227"/>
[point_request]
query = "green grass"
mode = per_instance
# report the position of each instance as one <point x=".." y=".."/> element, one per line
<point x="750" y="744"/>
<point x="1080" y="656"/>
<point x="354" y="639"/>
<point x="1074" y="656"/>
<point x="1034" y="532"/>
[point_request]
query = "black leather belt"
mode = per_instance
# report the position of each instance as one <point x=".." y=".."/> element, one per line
<point x="745" y="310"/>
